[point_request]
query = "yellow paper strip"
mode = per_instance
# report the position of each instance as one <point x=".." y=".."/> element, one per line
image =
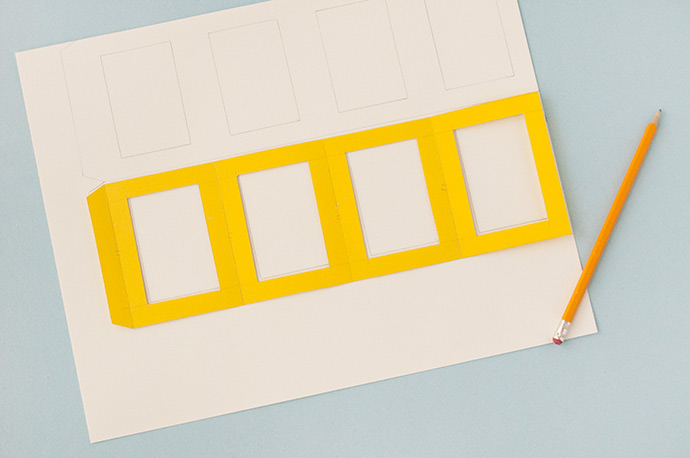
<point x="338" y="214"/>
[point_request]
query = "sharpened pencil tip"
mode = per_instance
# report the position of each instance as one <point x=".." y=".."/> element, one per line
<point x="655" y="119"/>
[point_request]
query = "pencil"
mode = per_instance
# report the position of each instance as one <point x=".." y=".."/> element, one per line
<point x="609" y="223"/>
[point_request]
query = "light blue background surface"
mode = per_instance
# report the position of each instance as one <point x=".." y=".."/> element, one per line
<point x="603" y="67"/>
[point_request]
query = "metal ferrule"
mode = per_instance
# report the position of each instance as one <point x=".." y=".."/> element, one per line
<point x="561" y="330"/>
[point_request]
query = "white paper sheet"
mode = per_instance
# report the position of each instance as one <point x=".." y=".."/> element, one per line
<point x="82" y="115"/>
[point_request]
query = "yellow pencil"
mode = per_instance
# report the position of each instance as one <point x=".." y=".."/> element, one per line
<point x="603" y="238"/>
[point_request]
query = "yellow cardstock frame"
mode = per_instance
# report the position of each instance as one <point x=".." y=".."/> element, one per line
<point x="348" y="261"/>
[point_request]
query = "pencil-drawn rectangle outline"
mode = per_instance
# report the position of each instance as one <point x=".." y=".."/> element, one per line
<point x="330" y="74"/>
<point x="220" y="87"/>
<point x="179" y="88"/>
<point x="446" y="86"/>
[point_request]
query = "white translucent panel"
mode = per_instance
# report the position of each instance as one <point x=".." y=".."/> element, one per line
<point x="392" y="198"/>
<point x="173" y="243"/>
<point x="283" y="221"/>
<point x="501" y="175"/>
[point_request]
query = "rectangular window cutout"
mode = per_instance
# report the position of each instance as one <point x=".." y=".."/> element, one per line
<point x="361" y="54"/>
<point x="254" y="77"/>
<point x="501" y="175"/>
<point x="470" y="41"/>
<point x="145" y="99"/>
<point x="173" y="244"/>
<point x="283" y="221"/>
<point x="392" y="198"/>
